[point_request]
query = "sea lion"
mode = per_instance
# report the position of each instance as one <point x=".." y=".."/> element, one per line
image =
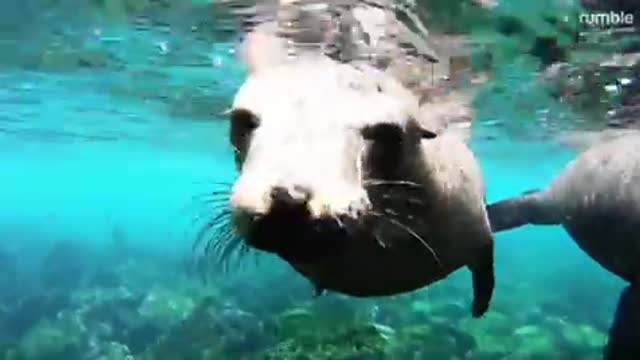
<point x="340" y="177"/>
<point x="597" y="200"/>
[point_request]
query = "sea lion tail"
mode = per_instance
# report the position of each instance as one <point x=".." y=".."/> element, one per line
<point x="529" y="208"/>
<point x="624" y="334"/>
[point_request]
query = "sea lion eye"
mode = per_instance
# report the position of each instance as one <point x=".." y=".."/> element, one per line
<point x="384" y="133"/>
<point x="422" y="133"/>
<point x="243" y="122"/>
<point x="242" y="119"/>
<point x="427" y="134"/>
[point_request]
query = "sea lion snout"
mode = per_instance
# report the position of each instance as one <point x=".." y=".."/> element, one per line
<point x="289" y="229"/>
<point x="299" y="196"/>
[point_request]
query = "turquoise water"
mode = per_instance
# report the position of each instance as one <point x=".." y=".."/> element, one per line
<point x="99" y="169"/>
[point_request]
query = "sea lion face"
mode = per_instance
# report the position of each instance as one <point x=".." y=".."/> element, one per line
<point x="315" y="142"/>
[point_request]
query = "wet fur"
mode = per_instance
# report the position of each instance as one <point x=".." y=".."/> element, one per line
<point x="406" y="232"/>
<point x="452" y="220"/>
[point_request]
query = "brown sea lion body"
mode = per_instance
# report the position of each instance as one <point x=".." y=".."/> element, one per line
<point x="346" y="177"/>
<point x="597" y="200"/>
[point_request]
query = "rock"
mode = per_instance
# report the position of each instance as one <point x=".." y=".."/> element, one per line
<point x="364" y="342"/>
<point x="295" y="321"/>
<point x="493" y="334"/>
<point x="425" y="341"/>
<point x="584" y="336"/>
<point x="65" y="266"/>
<point x="115" y="351"/>
<point x="213" y="330"/>
<point x="166" y="307"/>
<point x="52" y="339"/>
<point x="113" y="316"/>
<point x="464" y="342"/>
<point x="32" y="309"/>
<point x="141" y="337"/>
<point x="532" y="340"/>
<point x="105" y="278"/>
<point x="452" y="311"/>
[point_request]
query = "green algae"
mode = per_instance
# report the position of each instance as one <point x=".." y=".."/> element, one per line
<point x="51" y="340"/>
<point x="368" y="342"/>
<point x="166" y="306"/>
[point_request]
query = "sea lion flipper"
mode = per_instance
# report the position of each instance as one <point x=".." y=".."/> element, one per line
<point x="530" y="208"/>
<point x="624" y="334"/>
<point x="508" y="214"/>
<point x="483" y="277"/>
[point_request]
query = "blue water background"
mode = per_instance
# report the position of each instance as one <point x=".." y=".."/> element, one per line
<point x="75" y="165"/>
<point x="87" y="151"/>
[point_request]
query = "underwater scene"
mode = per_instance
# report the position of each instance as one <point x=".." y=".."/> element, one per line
<point x="135" y="157"/>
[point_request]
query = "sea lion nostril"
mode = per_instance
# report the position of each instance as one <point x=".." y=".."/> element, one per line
<point x="282" y="196"/>
<point x="303" y="192"/>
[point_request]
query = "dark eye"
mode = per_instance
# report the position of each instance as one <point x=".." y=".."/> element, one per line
<point x="243" y="123"/>
<point x="385" y="133"/>
<point x="426" y="134"/>
<point x="422" y="133"/>
<point x="244" y="120"/>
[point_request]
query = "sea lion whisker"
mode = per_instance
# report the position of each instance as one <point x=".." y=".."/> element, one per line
<point x="200" y="215"/>
<point x="199" y="266"/>
<point x="208" y="199"/>
<point x="201" y="199"/>
<point x="338" y="221"/>
<point x="415" y="201"/>
<point x="216" y="193"/>
<point x="221" y="195"/>
<point x="390" y="212"/>
<point x="225" y="246"/>
<point x="196" y="212"/>
<point x="411" y="232"/>
<point x="217" y="244"/>
<point x="205" y="199"/>
<point x="379" y="240"/>
<point x="214" y="204"/>
<point x="209" y="244"/>
<point x="207" y="182"/>
<point x="210" y="248"/>
<point x="223" y="235"/>
<point x="211" y="204"/>
<point x="208" y="226"/>
<point x="379" y="182"/>
<point x="230" y="251"/>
